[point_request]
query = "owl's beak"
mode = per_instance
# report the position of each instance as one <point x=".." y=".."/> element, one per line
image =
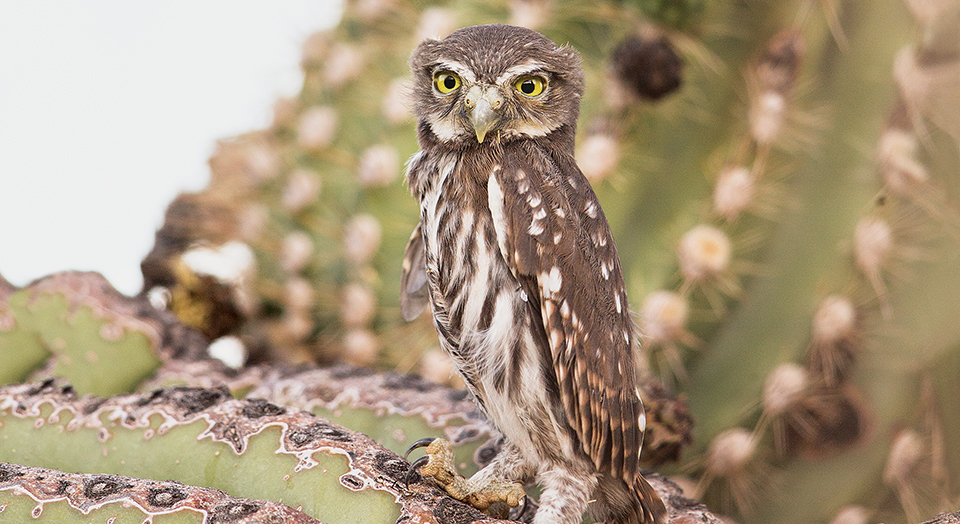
<point x="483" y="102"/>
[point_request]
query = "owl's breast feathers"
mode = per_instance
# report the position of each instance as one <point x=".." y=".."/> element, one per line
<point x="553" y="239"/>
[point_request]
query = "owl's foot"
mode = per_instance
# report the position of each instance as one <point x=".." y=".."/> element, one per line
<point x="493" y="497"/>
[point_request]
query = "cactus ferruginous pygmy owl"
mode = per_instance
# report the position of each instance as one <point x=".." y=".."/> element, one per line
<point x="517" y="262"/>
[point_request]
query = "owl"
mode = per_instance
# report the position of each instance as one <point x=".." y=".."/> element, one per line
<point x="515" y="258"/>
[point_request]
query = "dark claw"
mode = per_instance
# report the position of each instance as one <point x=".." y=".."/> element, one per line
<point x="523" y="506"/>
<point x="422" y="443"/>
<point x="416" y="465"/>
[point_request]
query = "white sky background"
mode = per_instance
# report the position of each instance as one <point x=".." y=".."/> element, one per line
<point x="109" y="108"/>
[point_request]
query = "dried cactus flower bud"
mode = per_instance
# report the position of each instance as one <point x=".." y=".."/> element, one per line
<point x="436" y="366"/>
<point x="435" y="22"/>
<point x="317" y="127"/>
<point x="852" y="515"/>
<point x="379" y="166"/>
<point x="315" y="48"/>
<point x="785" y="386"/>
<point x="361" y="238"/>
<point x="906" y="450"/>
<point x="284" y="113"/>
<point x="704" y="253"/>
<point x="359" y="305"/>
<point x="396" y="104"/>
<point x="231" y="262"/>
<point x="835" y="340"/>
<point x="370" y="10"/>
<point x="298" y="294"/>
<point x="229" y="350"/>
<point x="663" y="317"/>
<point x="730" y="452"/>
<point x="928" y="86"/>
<point x="251" y="221"/>
<point x="734" y="192"/>
<point x="780" y="63"/>
<point x="301" y="189"/>
<point x="649" y="66"/>
<point x="529" y="13"/>
<point x="297" y="325"/>
<point x="775" y="77"/>
<point x="360" y="347"/>
<point x="872" y="242"/>
<point x="767" y="114"/>
<point x="343" y="63"/>
<point x="159" y="297"/>
<point x="834" y="320"/>
<point x="295" y="251"/>
<point x="597" y="156"/>
<point x="262" y="161"/>
<point x="897" y="157"/>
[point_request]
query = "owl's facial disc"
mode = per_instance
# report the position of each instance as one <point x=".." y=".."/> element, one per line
<point x="483" y="103"/>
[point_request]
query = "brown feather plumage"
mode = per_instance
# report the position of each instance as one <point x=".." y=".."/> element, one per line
<point x="522" y="271"/>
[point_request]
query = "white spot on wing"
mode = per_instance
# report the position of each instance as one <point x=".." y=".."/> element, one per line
<point x="535" y="228"/>
<point x="591" y="209"/>
<point x="551" y="281"/>
<point x="555" y="338"/>
<point x="599" y="239"/>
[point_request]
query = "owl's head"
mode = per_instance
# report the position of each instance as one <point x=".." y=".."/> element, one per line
<point x="496" y="81"/>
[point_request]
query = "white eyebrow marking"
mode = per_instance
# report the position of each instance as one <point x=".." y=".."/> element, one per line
<point x="452" y="65"/>
<point x="520" y="69"/>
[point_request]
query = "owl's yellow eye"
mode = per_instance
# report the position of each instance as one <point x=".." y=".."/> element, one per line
<point x="446" y="81"/>
<point x="531" y="85"/>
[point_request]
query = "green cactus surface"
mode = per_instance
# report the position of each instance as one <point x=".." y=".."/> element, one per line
<point x="76" y="326"/>
<point x="30" y="494"/>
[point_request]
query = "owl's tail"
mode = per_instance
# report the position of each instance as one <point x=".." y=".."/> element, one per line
<point x="618" y="503"/>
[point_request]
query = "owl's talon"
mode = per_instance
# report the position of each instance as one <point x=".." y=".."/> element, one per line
<point x="422" y="443"/>
<point x="414" y="466"/>
<point x="491" y="497"/>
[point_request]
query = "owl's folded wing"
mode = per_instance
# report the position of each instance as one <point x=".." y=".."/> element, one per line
<point x="556" y="241"/>
<point x="414" y="295"/>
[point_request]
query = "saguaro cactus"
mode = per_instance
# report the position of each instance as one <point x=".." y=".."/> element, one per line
<point x="781" y="180"/>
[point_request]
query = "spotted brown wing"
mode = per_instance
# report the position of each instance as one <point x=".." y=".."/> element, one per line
<point x="556" y="240"/>
<point x="414" y="295"/>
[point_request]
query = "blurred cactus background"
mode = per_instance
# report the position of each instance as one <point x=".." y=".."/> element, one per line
<point x="782" y="180"/>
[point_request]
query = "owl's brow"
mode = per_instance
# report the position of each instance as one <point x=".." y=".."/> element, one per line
<point x="520" y="69"/>
<point x="452" y="65"/>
